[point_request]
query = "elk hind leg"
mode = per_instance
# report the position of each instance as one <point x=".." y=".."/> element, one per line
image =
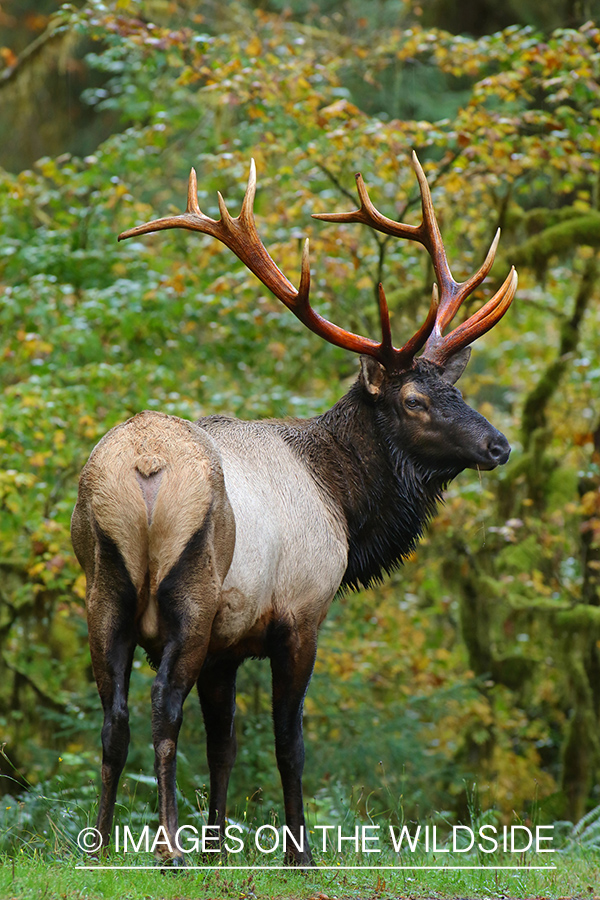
<point x="187" y="599"/>
<point x="111" y="604"/>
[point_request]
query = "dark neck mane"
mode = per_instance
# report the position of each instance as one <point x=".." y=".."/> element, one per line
<point x="386" y="497"/>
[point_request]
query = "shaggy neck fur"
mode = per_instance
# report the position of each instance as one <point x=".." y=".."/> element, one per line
<point x="387" y="496"/>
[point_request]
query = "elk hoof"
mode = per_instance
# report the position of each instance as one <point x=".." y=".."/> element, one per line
<point x="172" y="865"/>
<point x="300" y="861"/>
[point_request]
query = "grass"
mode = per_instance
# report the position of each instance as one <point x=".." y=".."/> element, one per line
<point x="34" y="875"/>
<point x="40" y="858"/>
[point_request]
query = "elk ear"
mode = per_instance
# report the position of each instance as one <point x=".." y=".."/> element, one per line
<point x="456" y="365"/>
<point x="372" y="375"/>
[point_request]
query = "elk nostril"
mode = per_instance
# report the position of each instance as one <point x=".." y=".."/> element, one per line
<point x="499" y="450"/>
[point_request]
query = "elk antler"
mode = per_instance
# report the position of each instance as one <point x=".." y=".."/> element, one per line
<point x="241" y="236"/>
<point x="438" y="348"/>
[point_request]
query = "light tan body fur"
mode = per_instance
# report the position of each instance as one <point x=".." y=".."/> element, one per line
<point x="290" y="548"/>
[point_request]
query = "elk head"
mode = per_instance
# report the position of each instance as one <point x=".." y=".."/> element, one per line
<point x="423" y="413"/>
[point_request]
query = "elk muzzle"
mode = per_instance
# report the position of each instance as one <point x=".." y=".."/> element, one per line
<point x="493" y="451"/>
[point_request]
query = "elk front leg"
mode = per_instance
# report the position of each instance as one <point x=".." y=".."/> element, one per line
<point x="216" y="690"/>
<point x="292" y="663"/>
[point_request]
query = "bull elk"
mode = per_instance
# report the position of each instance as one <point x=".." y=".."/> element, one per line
<point x="210" y="542"/>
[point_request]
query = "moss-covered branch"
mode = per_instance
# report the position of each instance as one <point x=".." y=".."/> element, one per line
<point x="536" y="404"/>
<point x="558" y="239"/>
<point x="538" y="219"/>
<point x="56" y="42"/>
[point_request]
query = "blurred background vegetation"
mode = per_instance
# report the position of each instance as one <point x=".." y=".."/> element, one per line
<point x="471" y="677"/>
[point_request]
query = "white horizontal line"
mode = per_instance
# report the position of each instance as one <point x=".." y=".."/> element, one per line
<point x="158" y="868"/>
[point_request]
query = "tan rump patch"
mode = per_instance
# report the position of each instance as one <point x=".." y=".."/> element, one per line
<point x="151" y="482"/>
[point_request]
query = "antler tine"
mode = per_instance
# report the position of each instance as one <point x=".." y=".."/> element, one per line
<point x="192" y="198"/>
<point x="368" y="214"/>
<point x="384" y="319"/>
<point x="304" y="286"/>
<point x="418" y="340"/>
<point x="457" y="293"/>
<point x="477" y="325"/>
<point x="247" y="210"/>
<point x="399" y="359"/>
<point x="462" y="290"/>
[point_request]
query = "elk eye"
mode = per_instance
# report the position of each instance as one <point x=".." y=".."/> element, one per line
<point x="413" y="403"/>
